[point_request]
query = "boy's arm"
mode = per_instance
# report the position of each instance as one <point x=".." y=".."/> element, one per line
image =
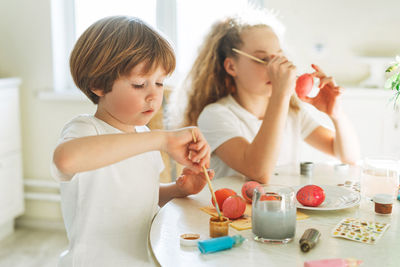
<point x="188" y="183"/>
<point x="168" y="192"/>
<point x="93" y="152"/>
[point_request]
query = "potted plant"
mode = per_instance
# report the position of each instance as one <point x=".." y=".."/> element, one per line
<point x="393" y="82"/>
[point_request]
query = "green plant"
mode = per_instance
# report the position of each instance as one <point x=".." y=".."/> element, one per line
<point x="393" y="82"/>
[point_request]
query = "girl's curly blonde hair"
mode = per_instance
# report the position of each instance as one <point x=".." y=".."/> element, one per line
<point x="207" y="81"/>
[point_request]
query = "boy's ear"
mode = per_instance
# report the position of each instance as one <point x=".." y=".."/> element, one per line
<point x="98" y="92"/>
<point x="230" y="67"/>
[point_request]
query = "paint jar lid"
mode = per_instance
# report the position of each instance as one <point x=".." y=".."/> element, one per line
<point x="189" y="240"/>
<point x="383" y="199"/>
<point x="341" y="167"/>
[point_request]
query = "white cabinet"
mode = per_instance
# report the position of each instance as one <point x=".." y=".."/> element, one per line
<point x="11" y="184"/>
<point x="376" y="121"/>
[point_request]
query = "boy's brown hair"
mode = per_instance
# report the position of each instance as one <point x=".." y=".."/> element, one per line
<point x="111" y="47"/>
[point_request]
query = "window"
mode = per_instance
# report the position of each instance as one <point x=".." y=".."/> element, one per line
<point x="89" y="11"/>
<point x="184" y="22"/>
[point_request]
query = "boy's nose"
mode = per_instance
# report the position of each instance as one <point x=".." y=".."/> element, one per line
<point x="150" y="97"/>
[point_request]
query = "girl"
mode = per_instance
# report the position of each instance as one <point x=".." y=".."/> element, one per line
<point x="107" y="163"/>
<point x="248" y="111"/>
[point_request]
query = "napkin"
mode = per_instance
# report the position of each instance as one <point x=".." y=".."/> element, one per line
<point x="244" y="222"/>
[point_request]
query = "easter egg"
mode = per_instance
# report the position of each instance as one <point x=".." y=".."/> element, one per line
<point x="221" y="195"/>
<point x="304" y="85"/>
<point x="310" y="195"/>
<point x="248" y="190"/>
<point x="234" y="207"/>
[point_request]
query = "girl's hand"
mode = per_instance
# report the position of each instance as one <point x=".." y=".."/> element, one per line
<point x="190" y="183"/>
<point x="182" y="148"/>
<point x="282" y="74"/>
<point x="327" y="98"/>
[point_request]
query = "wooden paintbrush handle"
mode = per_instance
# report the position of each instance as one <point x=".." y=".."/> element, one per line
<point x="209" y="183"/>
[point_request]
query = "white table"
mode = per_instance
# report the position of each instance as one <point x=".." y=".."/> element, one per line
<point x="184" y="216"/>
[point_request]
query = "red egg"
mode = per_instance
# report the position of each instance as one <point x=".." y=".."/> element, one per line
<point x="248" y="190"/>
<point x="221" y="195"/>
<point x="234" y="207"/>
<point x="304" y="85"/>
<point x="311" y="195"/>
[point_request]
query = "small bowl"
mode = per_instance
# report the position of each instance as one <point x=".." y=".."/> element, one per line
<point x="189" y="240"/>
<point x="383" y="203"/>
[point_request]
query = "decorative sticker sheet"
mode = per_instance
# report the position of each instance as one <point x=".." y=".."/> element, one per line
<point x="360" y="230"/>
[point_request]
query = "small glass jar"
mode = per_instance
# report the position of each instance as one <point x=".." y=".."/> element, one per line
<point x="306" y="168"/>
<point x="219" y="227"/>
<point x="274" y="214"/>
<point x="379" y="176"/>
<point x="383" y="203"/>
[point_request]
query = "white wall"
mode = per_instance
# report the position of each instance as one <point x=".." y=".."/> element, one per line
<point x="25" y="51"/>
<point x="344" y="27"/>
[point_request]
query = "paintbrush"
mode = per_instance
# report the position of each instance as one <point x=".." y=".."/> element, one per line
<point x="249" y="56"/>
<point x="209" y="184"/>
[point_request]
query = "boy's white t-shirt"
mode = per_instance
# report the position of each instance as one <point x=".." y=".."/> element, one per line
<point x="226" y="119"/>
<point x="108" y="211"/>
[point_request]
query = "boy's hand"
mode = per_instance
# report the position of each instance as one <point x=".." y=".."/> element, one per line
<point x="182" y="148"/>
<point x="326" y="100"/>
<point x="190" y="183"/>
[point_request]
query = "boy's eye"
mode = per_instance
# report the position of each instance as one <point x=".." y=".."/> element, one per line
<point x="138" y="86"/>
<point x="160" y="84"/>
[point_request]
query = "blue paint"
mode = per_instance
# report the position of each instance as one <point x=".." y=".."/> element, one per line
<point x="219" y="243"/>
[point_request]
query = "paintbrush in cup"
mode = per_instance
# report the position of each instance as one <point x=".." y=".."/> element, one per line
<point x="209" y="185"/>
<point x="249" y="56"/>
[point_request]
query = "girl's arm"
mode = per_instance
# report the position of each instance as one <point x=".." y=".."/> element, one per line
<point x="93" y="152"/>
<point x="257" y="159"/>
<point x="343" y="143"/>
<point x="346" y="144"/>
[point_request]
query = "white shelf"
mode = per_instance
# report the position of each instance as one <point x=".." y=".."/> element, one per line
<point x="9" y="82"/>
<point x="11" y="187"/>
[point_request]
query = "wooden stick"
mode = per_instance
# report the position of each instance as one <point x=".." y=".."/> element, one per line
<point x="249" y="56"/>
<point x="209" y="184"/>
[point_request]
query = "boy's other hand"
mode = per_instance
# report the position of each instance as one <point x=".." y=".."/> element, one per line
<point x="190" y="183"/>
<point x="182" y="148"/>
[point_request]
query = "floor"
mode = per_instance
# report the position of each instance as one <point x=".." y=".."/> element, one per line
<point x="32" y="248"/>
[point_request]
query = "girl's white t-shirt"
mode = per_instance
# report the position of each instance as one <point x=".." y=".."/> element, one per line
<point x="226" y="119"/>
<point x="108" y="211"/>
